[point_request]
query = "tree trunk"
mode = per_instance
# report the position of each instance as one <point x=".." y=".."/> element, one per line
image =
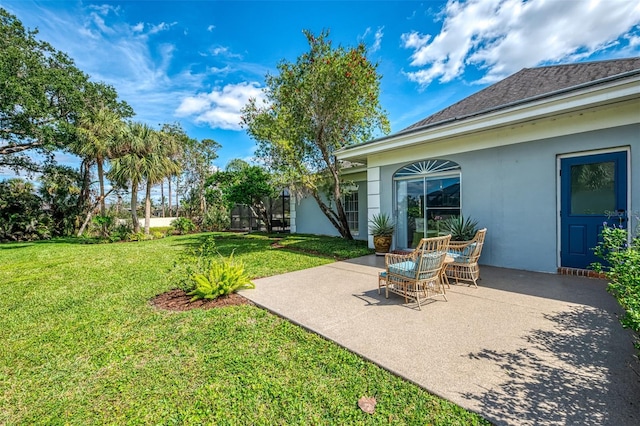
<point x="85" y="171"/>
<point x="162" y="196"/>
<point x="90" y="213"/>
<point x="170" y="214"/>
<point x="147" y="209"/>
<point x="260" y="211"/>
<point x="103" y="208"/>
<point x="177" y="201"/>
<point x="332" y="216"/>
<point x="134" y="207"/>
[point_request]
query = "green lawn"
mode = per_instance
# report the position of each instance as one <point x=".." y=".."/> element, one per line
<point x="80" y="344"/>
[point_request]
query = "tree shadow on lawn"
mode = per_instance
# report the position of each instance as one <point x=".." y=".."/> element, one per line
<point x="584" y="371"/>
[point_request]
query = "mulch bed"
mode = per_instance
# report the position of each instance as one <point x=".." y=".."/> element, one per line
<point x="177" y="300"/>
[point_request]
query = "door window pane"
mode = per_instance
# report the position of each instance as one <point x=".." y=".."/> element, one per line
<point x="593" y="188"/>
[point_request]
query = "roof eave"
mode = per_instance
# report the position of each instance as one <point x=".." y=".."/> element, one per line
<point x="606" y="91"/>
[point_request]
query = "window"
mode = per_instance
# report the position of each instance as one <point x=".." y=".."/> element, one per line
<point x="426" y="192"/>
<point x="351" y="210"/>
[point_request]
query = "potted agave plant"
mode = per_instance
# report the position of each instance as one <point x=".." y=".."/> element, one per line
<point x="381" y="226"/>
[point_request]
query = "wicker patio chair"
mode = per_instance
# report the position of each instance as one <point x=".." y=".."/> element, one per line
<point x="465" y="256"/>
<point x="417" y="275"/>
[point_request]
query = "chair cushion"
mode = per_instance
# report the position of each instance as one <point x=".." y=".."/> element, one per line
<point x="468" y="250"/>
<point x="462" y="256"/>
<point x="430" y="264"/>
<point x="406" y="269"/>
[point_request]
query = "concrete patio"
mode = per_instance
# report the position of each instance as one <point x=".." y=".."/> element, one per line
<point x="524" y="348"/>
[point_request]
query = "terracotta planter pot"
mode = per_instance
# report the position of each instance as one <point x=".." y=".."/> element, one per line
<point x="382" y="244"/>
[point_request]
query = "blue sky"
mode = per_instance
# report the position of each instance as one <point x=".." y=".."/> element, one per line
<point x="197" y="62"/>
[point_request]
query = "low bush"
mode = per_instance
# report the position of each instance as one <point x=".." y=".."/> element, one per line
<point x="166" y="230"/>
<point x="183" y="225"/>
<point x="137" y="236"/>
<point x="195" y="259"/>
<point x="622" y="268"/>
<point x="222" y="277"/>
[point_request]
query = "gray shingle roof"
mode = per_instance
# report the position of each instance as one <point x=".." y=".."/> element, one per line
<point x="530" y="83"/>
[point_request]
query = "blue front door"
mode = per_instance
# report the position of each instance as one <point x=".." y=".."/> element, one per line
<point x="593" y="190"/>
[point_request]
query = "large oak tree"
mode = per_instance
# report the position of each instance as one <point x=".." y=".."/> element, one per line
<point x="328" y="99"/>
<point x="42" y="95"/>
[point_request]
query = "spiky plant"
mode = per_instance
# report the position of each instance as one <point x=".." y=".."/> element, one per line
<point x="461" y="229"/>
<point x="381" y="225"/>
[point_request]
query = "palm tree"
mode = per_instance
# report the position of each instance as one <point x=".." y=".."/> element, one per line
<point x="157" y="165"/>
<point x="98" y="133"/>
<point x="147" y="157"/>
<point x="162" y="162"/>
<point x="129" y="167"/>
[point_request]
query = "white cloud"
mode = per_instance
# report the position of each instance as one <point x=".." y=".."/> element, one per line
<point x="138" y="28"/>
<point x="221" y="108"/>
<point x="162" y="26"/>
<point x="377" y="38"/>
<point x="503" y="36"/>
<point x="225" y="52"/>
<point x="211" y="28"/>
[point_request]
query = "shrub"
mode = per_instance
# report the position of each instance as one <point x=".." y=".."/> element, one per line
<point x="216" y="219"/>
<point x="166" y="230"/>
<point x="461" y="229"/>
<point x="222" y="277"/>
<point x="157" y="235"/>
<point x="183" y="225"/>
<point x="622" y="269"/>
<point x="191" y="261"/>
<point x="21" y="215"/>
<point x="136" y="236"/>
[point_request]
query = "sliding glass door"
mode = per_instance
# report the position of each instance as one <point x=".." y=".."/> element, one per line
<point x="422" y="202"/>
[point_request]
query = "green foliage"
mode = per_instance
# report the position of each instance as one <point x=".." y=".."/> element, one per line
<point x="136" y="236"/>
<point x="103" y="220"/>
<point x="60" y="194"/>
<point x="21" y="214"/>
<point x="123" y="228"/>
<point x="195" y="259"/>
<point x="183" y="225"/>
<point x="622" y="269"/>
<point x="461" y="229"/>
<point x="326" y="100"/>
<point x="223" y="277"/>
<point x="43" y="95"/>
<point x="381" y="225"/>
<point x="217" y="218"/>
<point x="245" y="184"/>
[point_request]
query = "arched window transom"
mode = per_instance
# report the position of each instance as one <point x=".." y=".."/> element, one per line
<point x="426" y="167"/>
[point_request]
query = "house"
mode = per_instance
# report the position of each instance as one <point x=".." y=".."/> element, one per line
<point x="541" y="159"/>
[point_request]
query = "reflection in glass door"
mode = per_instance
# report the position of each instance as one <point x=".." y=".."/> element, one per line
<point x="443" y="201"/>
<point x="422" y="204"/>
<point x="409" y="212"/>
